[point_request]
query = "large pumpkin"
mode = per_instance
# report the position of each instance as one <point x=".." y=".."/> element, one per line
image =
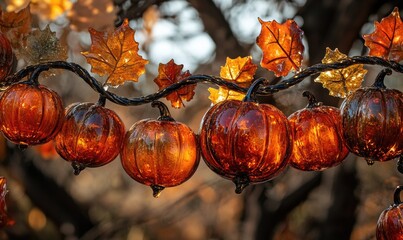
<point x="373" y="121"/>
<point x="91" y="136"/>
<point x="245" y="141"/>
<point x="30" y="114"/>
<point x="160" y="153"/>
<point x="317" y="138"/>
<point x="390" y="222"/>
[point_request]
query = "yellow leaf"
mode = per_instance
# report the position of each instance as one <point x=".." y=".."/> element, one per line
<point x="341" y="82"/>
<point x="115" y="54"/>
<point x="50" y="9"/>
<point x="239" y="70"/>
<point x="222" y="94"/>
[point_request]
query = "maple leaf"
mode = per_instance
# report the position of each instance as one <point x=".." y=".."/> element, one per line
<point x="115" y="54"/>
<point x="169" y="74"/>
<point x="42" y="46"/>
<point x="387" y="39"/>
<point x="281" y="45"/>
<point x="15" y="25"/>
<point x="238" y="70"/>
<point x="222" y="94"/>
<point x="341" y="82"/>
<point x="4" y="219"/>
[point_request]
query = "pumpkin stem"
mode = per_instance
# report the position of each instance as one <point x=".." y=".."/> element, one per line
<point x="400" y="164"/>
<point x="396" y="195"/>
<point x="381" y="77"/>
<point x="241" y="182"/>
<point x="250" y="94"/>
<point x="77" y="167"/>
<point x="101" y="100"/>
<point x="165" y="115"/>
<point x="312" y="102"/>
<point x="33" y="78"/>
<point x="157" y="190"/>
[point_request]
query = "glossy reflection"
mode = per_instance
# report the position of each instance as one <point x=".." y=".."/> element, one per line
<point x="390" y="222"/>
<point x="91" y="136"/>
<point x="30" y="114"/>
<point x="245" y="141"/>
<point x="318" y="141"/>
<point x="373" y="123"/>
<point x="160" y="153"/>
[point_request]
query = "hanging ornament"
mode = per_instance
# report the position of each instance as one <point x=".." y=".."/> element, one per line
<point x="91" y="136"/>
<point x="390" y="222"/>
<point x="160" y="153"/>
<point x="317" y="138"/>
<point x="372" y="121"/>
<point x="30" y="114"/>
<point x="245" y="141"/>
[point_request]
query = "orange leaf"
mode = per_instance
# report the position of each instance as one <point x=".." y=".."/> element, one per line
<point x="281" y="45"/>
<point x="240" y="70"/>
<point x="222" y="94"/>
<point x="15" y="24"/>
<point x="169" y="74"/>
<point x="115" y="54"/>
<point x="4" y="219"/>
<point x="387" y="39"/>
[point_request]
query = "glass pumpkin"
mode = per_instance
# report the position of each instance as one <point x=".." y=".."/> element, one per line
<point x="30" y="114"/>
<point x="6" y="57"/>
<point x="317" y="138"/>
<point x="244" y="141"/>
<point x="390" y="222"/>
<point x="5" y="220"/>
<point x="372" y="121"/>
<point x="91" y="136"/>
<point x="160" y="153"/>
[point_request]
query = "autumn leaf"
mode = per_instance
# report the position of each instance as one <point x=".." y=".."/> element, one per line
<point x="169" y="74"/>
<point x="387" y="39"/>
<point x="341" y="82"/>
<point x="4" y="219"/>
<point x="42" y="46"/>
<point x="115" y="54"/>
<point x="281" y="45"/>
<point x="15" y="25"/>
<point x="238" y="70"/>
<point x="50" y="9"/>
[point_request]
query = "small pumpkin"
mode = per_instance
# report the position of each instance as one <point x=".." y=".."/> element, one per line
<point x="390" y="222"/>
<point x="245" y="141"/>
<point x="30" y="113"/>
<point x="6" y="57"/>
<point x="317" y="138"/>
<point x="91" y="135"/>
<point x="160" y="153"/>
<point x="372" y="121"/>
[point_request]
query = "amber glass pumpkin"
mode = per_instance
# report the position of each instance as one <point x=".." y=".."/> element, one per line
<point x="245" y="141"/>
<point x="372" y="120"/>
<point x="317" y="138"/>
<point x="390" y="222"/>
<point x="30" y="114"/>
<point x="160" y="153"/>
<point x="6" y="57"/>
<point x="91" y="135"/>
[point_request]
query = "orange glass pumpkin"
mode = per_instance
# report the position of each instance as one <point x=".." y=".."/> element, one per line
<point x="245" y="141"/>
<point x="390" y="222"/>
<point x="4" y="218"/>
<point x="372" y="121"/>
<point x="30" y="114"/>
<point x="6" y="57"/>
<point x="317" y="138"/>
<point x="91" y="136"/>
<point x="160" y="153"/>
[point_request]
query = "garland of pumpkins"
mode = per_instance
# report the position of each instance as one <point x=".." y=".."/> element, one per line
<point x="243" y="141"/>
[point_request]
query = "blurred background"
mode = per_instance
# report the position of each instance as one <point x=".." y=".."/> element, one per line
<point x="48" y="202"/>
